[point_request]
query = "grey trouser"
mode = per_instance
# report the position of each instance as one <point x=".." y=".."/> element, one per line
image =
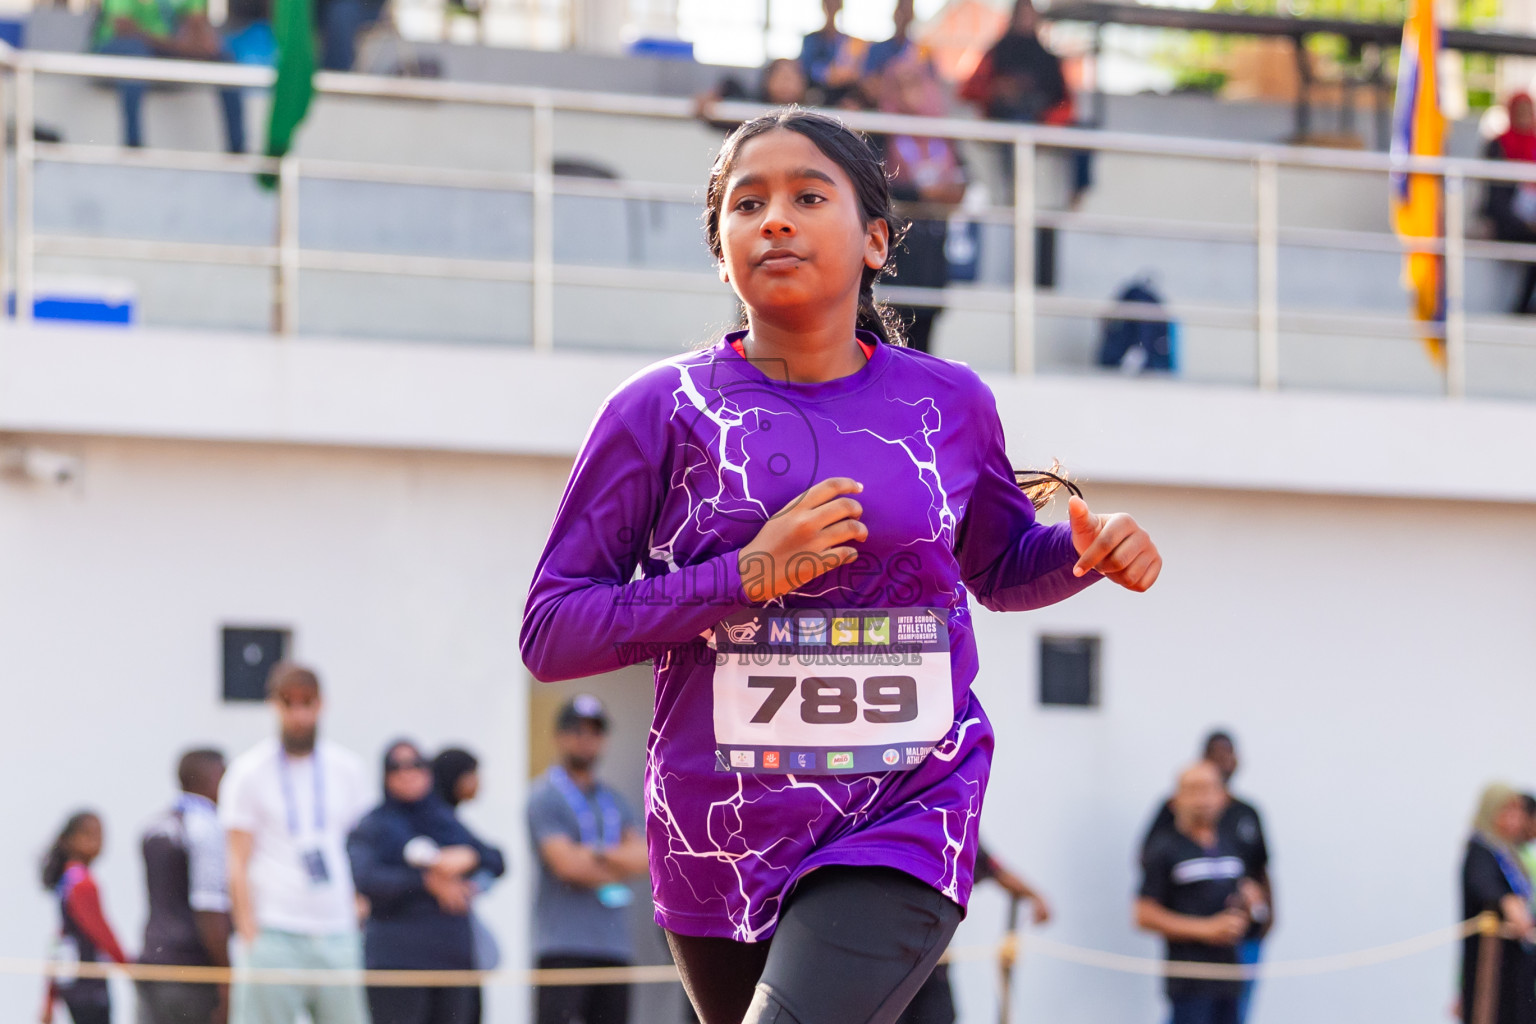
<point x="255" y="1003"/>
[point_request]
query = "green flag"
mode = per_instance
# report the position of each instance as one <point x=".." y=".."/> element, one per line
<point x="293" y="25"/>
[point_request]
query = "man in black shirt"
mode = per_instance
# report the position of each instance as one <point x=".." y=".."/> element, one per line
<point x="188" y="922"/>
<point x="1242" y="827"/>
<point x="1195" y="894"/>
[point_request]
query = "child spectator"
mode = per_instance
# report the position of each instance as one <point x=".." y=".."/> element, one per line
<point x="84" y="934"/>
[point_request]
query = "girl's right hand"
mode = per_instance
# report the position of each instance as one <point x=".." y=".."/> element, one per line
<point x="806" y="538"/>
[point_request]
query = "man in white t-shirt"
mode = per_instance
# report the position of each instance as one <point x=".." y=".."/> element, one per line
<point x="287" y="806"/>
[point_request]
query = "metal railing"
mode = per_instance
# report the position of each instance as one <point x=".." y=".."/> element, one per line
<point x="1026" y="304"/>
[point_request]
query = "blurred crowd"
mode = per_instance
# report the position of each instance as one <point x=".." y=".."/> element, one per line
<point x="290" y="857"/>
<point x="181" y="30"/>
<point x="1017" y="79"/>
<point x="287" y="859"/>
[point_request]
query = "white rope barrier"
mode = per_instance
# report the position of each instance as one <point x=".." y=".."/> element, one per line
<point x="1005" y="952"/>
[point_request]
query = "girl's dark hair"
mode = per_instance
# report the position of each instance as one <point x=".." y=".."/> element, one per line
<point x="851" y="151"/>
<point x="58" y="854"/>
<point x="448" y="768"/>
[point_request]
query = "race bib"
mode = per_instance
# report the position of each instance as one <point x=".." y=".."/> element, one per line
<point x="813" y="692"/>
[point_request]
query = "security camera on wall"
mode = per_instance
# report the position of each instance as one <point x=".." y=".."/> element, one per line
<point x="39" y="465"/>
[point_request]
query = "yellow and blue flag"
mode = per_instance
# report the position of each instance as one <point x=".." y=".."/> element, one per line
<point x="1418" y="129"/>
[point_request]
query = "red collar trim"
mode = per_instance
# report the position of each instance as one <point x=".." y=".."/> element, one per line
<point x="868" y="349"/>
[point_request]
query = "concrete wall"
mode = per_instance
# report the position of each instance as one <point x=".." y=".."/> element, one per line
<point x="1347" y="588"/>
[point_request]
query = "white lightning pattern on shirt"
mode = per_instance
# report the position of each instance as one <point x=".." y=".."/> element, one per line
<point x="707" y="467"/>
<point x="703" y="480"/>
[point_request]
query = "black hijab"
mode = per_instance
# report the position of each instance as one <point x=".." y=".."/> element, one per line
<point x="429" y="816"/>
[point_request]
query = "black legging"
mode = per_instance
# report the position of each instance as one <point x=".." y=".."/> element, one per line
<point x="88" y="1007"/>
<point x="852" y="947"/>
<point x="934" y="1002"/>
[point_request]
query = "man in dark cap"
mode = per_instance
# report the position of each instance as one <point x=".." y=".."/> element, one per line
<point x="589" y="843"/>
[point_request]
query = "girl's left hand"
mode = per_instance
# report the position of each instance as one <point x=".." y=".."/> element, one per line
<point x="1115" y="546"/>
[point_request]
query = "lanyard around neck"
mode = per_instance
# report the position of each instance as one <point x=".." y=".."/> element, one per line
<point x="586" y="821"/>
<point x="290" y="804"/>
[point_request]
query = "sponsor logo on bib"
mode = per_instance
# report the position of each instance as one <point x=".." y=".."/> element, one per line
<point x="743" y="632"/>
<point x="891" y="757"/>
<point x="916" y="629"/>
<point x="840" y="759"/>
<point x="742" y="759"/>
<point x="805" y="760"/>
<point x="770" y="759"/>
<point x="845" y="632"/>
<point x="813" y="630"/>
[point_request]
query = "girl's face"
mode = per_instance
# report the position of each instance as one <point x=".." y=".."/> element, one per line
<point x="793" y="239"/>
<point x="86" y="841"/>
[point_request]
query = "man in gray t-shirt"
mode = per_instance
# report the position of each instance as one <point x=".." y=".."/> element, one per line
<point x="589" y="843"/>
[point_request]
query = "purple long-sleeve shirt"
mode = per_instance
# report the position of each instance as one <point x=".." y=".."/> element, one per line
<point x="682" y="466"/>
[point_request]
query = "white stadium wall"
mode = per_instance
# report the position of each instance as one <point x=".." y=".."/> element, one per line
<point x="1348" y="587"/>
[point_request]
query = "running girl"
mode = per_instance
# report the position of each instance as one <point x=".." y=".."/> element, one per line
<point x="806" y="506"/>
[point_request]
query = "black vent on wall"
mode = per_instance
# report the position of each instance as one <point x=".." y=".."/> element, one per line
<point x="249" y="654"/>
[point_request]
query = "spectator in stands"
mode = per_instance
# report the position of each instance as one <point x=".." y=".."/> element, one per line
<point x="412" y="860"/>
<point x="178" y="29"/>
<point x="1493" y="880"/>
<point x="287" y="806"/>
<point x="782" y="83"/>
<point x="934" y="1003"/>
<point x="1195" y="894"/>
<point x="922" y="170"/>
<point x="1511" y="206"/>
<point x="341" y="22"/>
<point x="589" y="843"/>
<point x="1019" y="79"/>
<point x="84" y="934"/>
<point x="456" y="780"/>
<point x="1242" y="827"/>
<point x="833" y="60"/>
<point x="882" y="53"/>
<point x="184" y="870"/>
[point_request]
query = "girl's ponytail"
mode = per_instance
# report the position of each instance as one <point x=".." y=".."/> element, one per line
<point x="876" y="317"/>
